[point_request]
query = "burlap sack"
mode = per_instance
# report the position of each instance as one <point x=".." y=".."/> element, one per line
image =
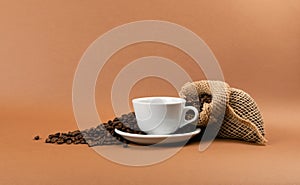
<point x="240" y="114"/>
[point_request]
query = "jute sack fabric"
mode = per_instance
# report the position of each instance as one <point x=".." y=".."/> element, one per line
<point x="241" y="116"/>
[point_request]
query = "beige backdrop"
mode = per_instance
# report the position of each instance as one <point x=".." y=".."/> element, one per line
<point x="256" y="42"/>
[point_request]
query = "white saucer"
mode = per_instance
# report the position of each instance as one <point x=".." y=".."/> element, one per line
<point x="155" y="139"/>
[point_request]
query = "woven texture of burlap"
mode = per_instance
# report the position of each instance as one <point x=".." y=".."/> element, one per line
<point x="241" y="116"/>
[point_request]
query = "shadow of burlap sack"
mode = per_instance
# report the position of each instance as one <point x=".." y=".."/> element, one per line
<point x="217" y="101"/>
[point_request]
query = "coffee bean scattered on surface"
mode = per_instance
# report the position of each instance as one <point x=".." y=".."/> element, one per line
<point x="36" y="137"/>
<point x="104" y="134"/>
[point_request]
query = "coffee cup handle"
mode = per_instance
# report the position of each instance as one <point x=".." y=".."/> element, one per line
<point x="184" y="121"/>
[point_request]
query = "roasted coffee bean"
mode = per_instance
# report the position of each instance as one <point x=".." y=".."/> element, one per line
<point x="84" y="134"/>
<point x="57" y="134"/>
<point x="92" y="130"/>
<point x="54" y="139"/>
<point x="76" y="132"/>
<point x="119" y="125"/>
<point x="124" y="116"/>
<point x="48" y="140"/>
<point x="115" y="123"/>
<point x="36" y="137"/>
<point x="51" y="136"/>
<point x="99" y="127"/>
<point x="69" y="141"/>
<point x="95" y="134"/>
<point x="78" y="137"/>
<point x="76" y="142"/>
<point x="60" y="141"/>
<point x="123" y="129"/>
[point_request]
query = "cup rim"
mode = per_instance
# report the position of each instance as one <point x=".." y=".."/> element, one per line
<point x="141" y="100"/>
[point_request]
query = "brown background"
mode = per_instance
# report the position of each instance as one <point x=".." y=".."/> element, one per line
<point x="256" y="42"/>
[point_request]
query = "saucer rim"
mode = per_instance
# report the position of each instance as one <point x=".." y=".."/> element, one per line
<point x="197" y="131"/>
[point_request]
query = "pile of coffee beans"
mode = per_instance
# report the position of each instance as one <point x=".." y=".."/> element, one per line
<point x="74" y="137"/>
<point x="204" y="98"/>
<point x="104" y="134"/>
<point x="197" y="102"/>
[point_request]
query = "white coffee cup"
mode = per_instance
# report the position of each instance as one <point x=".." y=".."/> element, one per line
<point x="162" y="115"/>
